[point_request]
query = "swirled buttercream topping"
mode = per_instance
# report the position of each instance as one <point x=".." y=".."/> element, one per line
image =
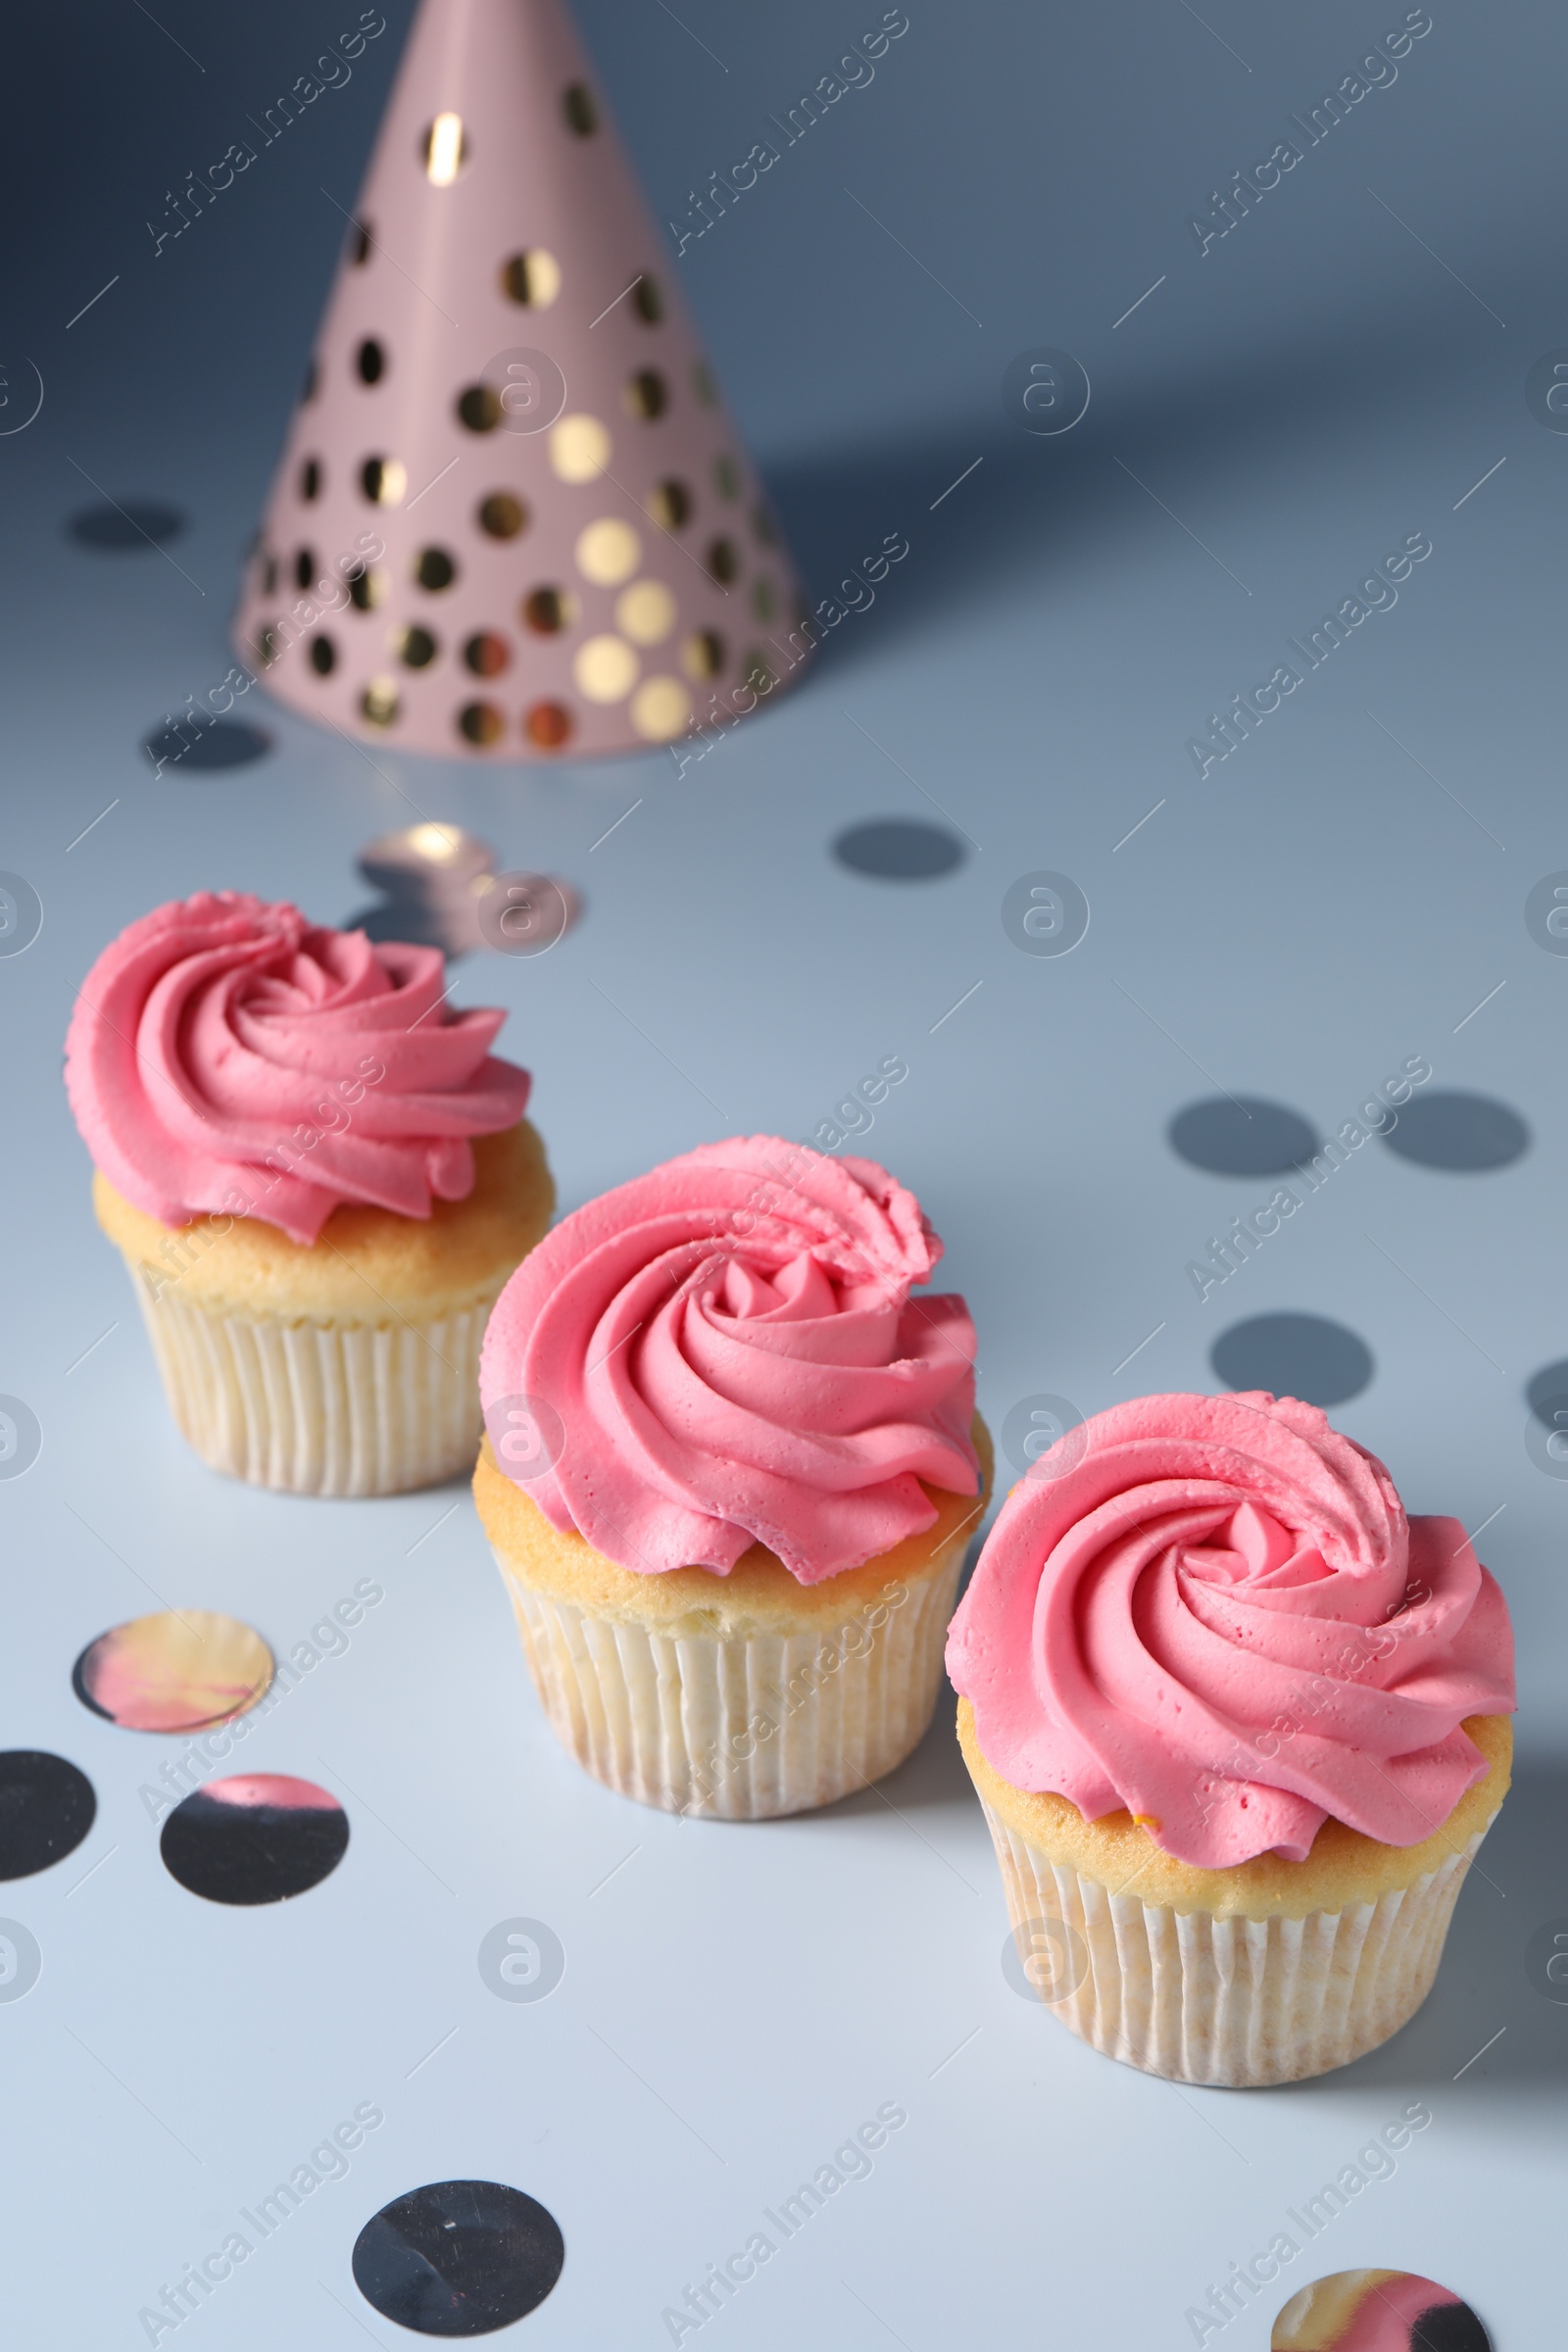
<point x="726" y="1351"/>
<point x="1211" y="1611"/>
<point x="226" y="1055"/>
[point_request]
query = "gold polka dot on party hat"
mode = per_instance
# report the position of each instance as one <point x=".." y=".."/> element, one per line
<point x="547" y="724"/>
<point x="532" y="277"/>
<point x="501" y="516"/>
<point x="661" y="708"/>
<point x="579" y="449"/>
<point x="608" y="552"/>
<point x="702" y="656"/>
<point x="384" y="480"/>
<point x="486" y="654"/>
<point x="604" y="669"/>
<point x="480" y="722"/>
<point x="645" y="611"/>
<point x="670" y="505"/>
<point x="548" y="611"/>
<point x="445" y="150"/>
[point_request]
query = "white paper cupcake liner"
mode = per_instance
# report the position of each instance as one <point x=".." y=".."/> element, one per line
<point x="321" y="1408"/>
<point x="1235" y="2003"/>
<point x="739" y="1728"/>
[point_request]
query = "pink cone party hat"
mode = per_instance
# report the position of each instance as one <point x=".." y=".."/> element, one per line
<point x="512" y="518"/>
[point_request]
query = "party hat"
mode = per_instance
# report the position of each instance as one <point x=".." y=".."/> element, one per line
<point x="512" y="517"/>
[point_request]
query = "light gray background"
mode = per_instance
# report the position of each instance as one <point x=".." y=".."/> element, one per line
<point x="736" y="2000"/>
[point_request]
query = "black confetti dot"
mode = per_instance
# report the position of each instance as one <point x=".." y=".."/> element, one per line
<point x="206" y="745"/>
<point x="254" y="1840"/>
<point x="46" y="1809"/>
<point x="895" y="849"/>
<point x="1547" y="1390"/>
<point x="1293" y="1355"/>
<point x="1449" y="2327"/>
<point x="459" y="2257"/>
<point x="1242" y="1134"/>
<point x="135" y="526"/>
<point x="1466" y="1134"/>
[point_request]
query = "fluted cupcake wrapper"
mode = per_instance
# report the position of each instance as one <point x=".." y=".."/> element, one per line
<point x="739" y="1727"/>
<point x="317" y="1408"/>
<point x="1235" y="2003"/>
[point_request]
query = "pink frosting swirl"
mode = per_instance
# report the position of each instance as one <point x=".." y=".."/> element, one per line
<point x="227" y="1056"/>
<point x="725" y="1352"/>
<point x="1212" y="1611"/>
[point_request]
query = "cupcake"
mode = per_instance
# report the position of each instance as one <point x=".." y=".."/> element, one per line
<point x="1238" y="1728"/>
<point x="731" y="1469"/>
<point x="319" y="1178"/>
